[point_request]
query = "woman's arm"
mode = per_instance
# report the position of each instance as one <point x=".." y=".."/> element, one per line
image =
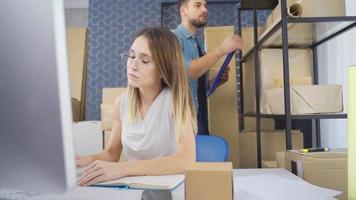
<point x="113" y="151"/>
<point x="100" y="171"/>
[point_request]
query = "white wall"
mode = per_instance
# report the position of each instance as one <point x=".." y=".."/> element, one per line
<point x="334" y="57"/>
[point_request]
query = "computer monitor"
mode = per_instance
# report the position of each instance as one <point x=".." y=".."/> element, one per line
<point x="36" y="146"/>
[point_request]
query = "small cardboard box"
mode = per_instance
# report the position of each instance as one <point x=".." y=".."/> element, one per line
<point x="305" y="99"/>
<point x="324" y="169"/>
<point x="271" y="142"/>
<point x="209" y="181"/>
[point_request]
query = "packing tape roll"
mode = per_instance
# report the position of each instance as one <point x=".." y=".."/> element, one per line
<point x="295" y="10"/>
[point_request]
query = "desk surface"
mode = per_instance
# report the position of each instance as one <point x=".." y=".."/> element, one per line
<point x="178" y="193"/>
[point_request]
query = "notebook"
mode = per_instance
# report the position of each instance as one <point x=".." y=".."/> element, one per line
<point x="168" y="182"/>
<point x="218" y="77"/>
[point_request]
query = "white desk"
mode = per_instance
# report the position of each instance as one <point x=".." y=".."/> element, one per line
<point x="178" y="193"/>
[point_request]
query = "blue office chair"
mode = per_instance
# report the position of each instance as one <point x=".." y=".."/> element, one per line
<point x="211" y="148"/>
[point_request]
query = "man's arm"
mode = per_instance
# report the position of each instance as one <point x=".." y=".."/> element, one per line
<point x="201" y="65"/>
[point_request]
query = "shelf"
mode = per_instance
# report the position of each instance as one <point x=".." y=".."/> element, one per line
<point x="305" y="32"/>
<point x="304" y="116"/>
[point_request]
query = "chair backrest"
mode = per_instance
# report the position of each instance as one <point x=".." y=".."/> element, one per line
<point x="211" y="148"/>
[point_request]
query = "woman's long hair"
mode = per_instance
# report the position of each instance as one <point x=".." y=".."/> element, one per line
<point x="167" y="56"/>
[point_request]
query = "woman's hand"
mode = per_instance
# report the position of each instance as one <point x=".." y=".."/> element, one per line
<point x="100" y="171"/>
<point x="82" y="161"/>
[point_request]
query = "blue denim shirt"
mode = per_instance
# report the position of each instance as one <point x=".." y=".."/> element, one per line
<point x="189" y="44"/>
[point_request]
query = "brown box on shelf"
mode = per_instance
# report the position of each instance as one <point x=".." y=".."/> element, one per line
<point x="309" y="99"/>
<point x="271" y="142"/>
<point x="209" y="181"/>
<point x="271" y="65"/>
<point x="278" y="83"/>
<point x="305" y="32"/>
<point x="266" y="124"/>
<point x="324" y="169"/>
<point x="247" y="36"/>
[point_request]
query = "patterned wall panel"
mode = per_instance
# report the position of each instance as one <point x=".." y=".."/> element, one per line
<point x="112" y="26"/>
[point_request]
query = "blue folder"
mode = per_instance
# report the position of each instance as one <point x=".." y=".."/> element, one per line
<point x="218" y="77"/>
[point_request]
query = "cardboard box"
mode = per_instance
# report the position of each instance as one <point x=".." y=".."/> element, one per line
<point x="265" y="124"/>
<point x="271" y="65"/>
<point x="304" y="33"/>
<point x="307" y="99"/>
<point x="108" y="99"/>
<point x="247" y="34"/>
<point x="209" y="181"/>
<point x="77" y="61"/>
<point x="271" y="142"/>
<point x="324" y="169"/>
<point x="222" y="104"/>
<point x="315" y="8"/>
<point x="281" y="159"/>
<point x="279" y="83"/>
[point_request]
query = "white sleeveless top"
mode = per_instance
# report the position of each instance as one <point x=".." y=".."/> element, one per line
<point x="151" y="137"/>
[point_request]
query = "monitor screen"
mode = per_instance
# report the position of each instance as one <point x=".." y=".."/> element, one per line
<point x="36" y="146"/>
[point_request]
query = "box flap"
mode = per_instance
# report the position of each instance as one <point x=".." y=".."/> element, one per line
<point x="210" y="166"/>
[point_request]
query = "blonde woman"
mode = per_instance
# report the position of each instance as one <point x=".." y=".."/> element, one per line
<point x="154" y="122"/>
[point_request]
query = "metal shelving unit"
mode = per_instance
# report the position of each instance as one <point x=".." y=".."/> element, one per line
<point x="290" y="38"/>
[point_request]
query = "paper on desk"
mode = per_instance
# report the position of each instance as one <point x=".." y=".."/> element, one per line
<point x="268" y="187"/>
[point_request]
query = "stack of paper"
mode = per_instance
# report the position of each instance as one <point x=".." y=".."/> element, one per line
<point x="270" y="187"/>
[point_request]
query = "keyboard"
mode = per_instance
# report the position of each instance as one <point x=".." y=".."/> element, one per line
<point x="9" y="194"/>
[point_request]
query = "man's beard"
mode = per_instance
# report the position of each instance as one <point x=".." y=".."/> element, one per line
<point x="197" y="23"/>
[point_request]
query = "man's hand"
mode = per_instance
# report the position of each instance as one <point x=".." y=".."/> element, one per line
<point x="230" y="44"/>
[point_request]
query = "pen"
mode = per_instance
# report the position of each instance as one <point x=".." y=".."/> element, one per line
<point x="320" y="149"/>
